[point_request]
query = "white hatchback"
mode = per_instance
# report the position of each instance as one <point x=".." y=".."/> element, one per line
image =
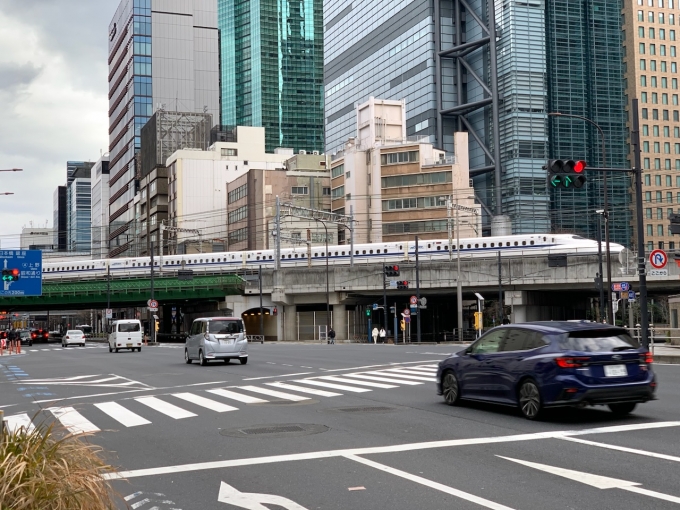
<point x="73" y="336"/>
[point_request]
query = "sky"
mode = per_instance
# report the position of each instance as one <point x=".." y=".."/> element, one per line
<point x="53" y="101"/>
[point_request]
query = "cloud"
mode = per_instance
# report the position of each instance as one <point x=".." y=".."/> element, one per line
<point x="53" y="101"/>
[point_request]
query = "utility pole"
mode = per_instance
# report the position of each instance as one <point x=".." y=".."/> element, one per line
<point x="278" y="233"/>
<point x="259" y="277"/>
<point x="351" y="237"/>
<point x="108" y="294"/>
<point x="500" y="290"/>
<point x="418" y="293"/>
<point x="153" y="319"/>
<point x="385" y="307"/>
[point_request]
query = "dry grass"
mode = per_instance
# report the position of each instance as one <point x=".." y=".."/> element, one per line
<point x="39" y="471"/>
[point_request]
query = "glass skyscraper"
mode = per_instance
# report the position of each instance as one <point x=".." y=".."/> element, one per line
<point x="272" y="69"/>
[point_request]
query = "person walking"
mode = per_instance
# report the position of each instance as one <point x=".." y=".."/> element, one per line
<point x="383" y="335"/>
<point x="331" y="336"/>
<point x="375" y="334"/>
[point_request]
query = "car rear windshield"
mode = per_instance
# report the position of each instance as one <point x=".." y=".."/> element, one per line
<point x="225" y="327"/>
<point x="74" y="332"/>
<point x="598" y="341"/>
<point x="129" y="328"/>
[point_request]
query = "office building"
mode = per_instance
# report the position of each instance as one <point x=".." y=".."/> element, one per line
<point x="35" y="238"/>
<point x="78" y="206"/>
<point x="550" y="55"/>
<point x="100" y="208"/>
<point x="197" y="190"/>
<point x="60" y="223"/>
<point x="397" y="188"/>
<point x="272" y="70"/>
<point x="651" y="59"/>
<point x="161" y="55"/>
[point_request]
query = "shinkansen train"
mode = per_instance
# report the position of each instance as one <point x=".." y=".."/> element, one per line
<point x="225" y="262"/>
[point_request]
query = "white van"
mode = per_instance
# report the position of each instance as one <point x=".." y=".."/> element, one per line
<point x="125" y="334"/>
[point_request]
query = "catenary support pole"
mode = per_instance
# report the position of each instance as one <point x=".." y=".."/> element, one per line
<point x="500" y="290"/>
<point x="599" y="261"/>
<point x="419" y="315"/>
<point x="259" y="278"/>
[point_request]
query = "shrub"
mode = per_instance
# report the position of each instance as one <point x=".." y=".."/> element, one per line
<point x="40" y="471"/>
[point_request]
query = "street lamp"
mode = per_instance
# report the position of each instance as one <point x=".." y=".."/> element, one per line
<point x="610" y="308"/>
<point x="600" y="213"/>
<point x="328" y="306"/>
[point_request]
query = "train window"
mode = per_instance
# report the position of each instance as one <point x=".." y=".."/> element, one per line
<point x="516" y="243"/>
<point x="507" y="244"/>
<point x="439" y="247"/>
<point x="290" y="256"/>
<point x="296" y="255"/>
<point x="248" y="256"/>
<point x="336" y="253"/>
<point x="270" y="257"/>
<point x="258" y="257"/>
<point x="544" y="238"/>
<point x="524" y="243"/>
<point x="370" y="251"/>
<point x="213" y="260"/>
<point x="401" y="246"/>
<point x="493" y="244"/>
<point x="364" y="253"/>
<point x="469" y="246"/>
<point x="316" y="254"/>
<point x="357" y="252"/>
<point x="476" y="245"/>
<point x="429" y="246"/>
<point x="343" y="252"/>
<point x="531" y="243"/>
<point x="484" y="245"/>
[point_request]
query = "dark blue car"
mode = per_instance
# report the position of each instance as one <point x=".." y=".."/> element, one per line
<point x="536" y="365"/>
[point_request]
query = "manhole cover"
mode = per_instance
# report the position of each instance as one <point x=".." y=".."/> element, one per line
<point x="276" y="430"/>
<point x="363" y="409"/>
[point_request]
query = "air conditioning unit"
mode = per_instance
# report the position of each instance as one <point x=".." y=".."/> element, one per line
<point x="471" y="183"/>
<point x="303" y="152"/>
<point x="316" y="153"/>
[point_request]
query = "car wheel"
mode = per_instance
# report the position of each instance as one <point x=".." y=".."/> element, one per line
<point x="187" y="359"/>
<point x="139" y="349"/>
<point x="450" y="389"/>
<point x="110" y="349"/>
<point x="243" y="360"/>
<point x="201" y="360"/>
<point x="530" y="400"/>
<point x="30" y="344"/>
<point x="116" y="349"/>
<point x="227" y="360"/>
<point x="623" y="408"/>
<point x="63" y="345"/>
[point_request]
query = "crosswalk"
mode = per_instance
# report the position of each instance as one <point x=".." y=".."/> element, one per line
<point x="143" y="410"/>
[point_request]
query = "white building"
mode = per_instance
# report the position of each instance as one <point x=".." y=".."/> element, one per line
<point x="33" y="238"/>
<point x="197" y="183"/>
<point x="100" y="208"/>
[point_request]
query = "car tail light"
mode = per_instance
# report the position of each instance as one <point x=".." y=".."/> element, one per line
<point x="67" y="337"/>
<point x="647" y="358"/>
<point x="571" y="362"/>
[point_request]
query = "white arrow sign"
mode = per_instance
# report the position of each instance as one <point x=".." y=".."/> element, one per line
<point x="597" y="481"/>
<point x="252" y="500"/>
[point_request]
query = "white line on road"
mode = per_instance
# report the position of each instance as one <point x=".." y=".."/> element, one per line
<point x="163" y="407"/>
<point x="333" y="386"/>
<point x="429" y="483"/>
<point x="274" y="393"/>
<point x="220" y="464"/>
<point x="623" y="449"/>
<point x="75" y="422"/>
<point x="14" y="423"/>
<point x="383" y="379"/>
<point x="344" y="380"/>
<point x="206" y="402"/>
<point x="276" y="376"/>
<point x="652" y="494"/>
<point x="237" y="396"/>
<point x="311" y="391"/>
<point x="406" y="375"/>
<point x="122" y="415"/>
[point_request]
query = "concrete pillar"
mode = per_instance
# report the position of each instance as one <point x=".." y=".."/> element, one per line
<point x="519" y="314"/>
<point x="290" y="332"/>
<point x="340" y="322"/>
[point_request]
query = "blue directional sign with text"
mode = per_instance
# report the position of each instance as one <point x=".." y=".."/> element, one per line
<point x="21" y="272"/>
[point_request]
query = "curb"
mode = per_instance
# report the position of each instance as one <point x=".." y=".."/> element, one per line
<point x="664" y="358"/>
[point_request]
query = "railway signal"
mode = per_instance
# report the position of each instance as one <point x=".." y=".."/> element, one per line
<point x="391" y="270"/>
<point x="566" y="173"/>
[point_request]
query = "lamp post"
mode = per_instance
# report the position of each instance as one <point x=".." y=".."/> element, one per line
<point x="328" y="306"/>
<point x="599" y="213"/>
<point x="610" y="308"/>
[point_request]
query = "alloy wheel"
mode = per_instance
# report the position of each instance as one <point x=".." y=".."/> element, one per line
<point x="450" y="388"/>
<point x="530" y="400"/>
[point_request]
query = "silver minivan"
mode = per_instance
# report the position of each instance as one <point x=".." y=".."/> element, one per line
<point x="217" y="338"/>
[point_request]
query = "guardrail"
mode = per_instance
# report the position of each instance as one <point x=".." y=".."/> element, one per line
<point x="255" y="338"/>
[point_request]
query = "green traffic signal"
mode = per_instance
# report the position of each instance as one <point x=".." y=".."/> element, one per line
<point x="368" y="312"/>
<point x="566" y="174"/>
<point x="10" y="275"/>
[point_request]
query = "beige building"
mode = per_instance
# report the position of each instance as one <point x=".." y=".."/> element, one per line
<point x="397" y="187"/>
<point x="251" y="204"/>
<point x="651" y="32"/>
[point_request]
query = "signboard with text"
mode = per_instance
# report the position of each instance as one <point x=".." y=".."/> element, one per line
<point x="21" y="272"/>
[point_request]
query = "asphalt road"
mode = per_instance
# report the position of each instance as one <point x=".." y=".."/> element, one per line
<point x="298" y="428"/>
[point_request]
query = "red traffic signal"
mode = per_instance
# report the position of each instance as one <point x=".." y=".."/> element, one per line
<point x="391" y="270"/>
<point x="566" y="173"/>
<point x="579" y="166"/>
<point x="10" y="275"/>
<point x="402" y="285"/>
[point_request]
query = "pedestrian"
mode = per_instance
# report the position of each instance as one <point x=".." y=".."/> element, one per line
<point x="506" y="320"/>
<point x="375" y="334"/>
<point x="383" y="335"/>
<point x="331" y="336"/>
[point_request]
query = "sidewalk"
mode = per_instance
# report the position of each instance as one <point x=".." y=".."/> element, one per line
<point x="666" y="353"/>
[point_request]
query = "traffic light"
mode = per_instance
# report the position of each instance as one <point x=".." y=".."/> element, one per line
<point x="478" y="320"/>
<point x="10" y="275"/>
<point x="402" y="285"/>
<point x="566" y="173"/>
<point x="675" y="223"/>
<point x="368" y="312"/>
<point x="391" y="270"/>
<point x="402" y="325"/>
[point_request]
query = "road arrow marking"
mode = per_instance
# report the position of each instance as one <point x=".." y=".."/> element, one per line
<point x="597" y="481"/>
<point x="252" y="500"/>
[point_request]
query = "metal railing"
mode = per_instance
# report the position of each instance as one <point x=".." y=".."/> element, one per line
<point x="255" y="338"/>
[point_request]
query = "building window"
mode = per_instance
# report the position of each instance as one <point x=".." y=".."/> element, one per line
<point x="643" y="64"/>
<point x="659" y="197"/>
<point x="415" y="227"/>
<point x="394" y="158"/>
<point x="327" y="192"/>
<point x="641" y="16"/>
<point x="337" y="171"/>
<point x="650" y="230"/>
<point x="152" y="187"/>
<point x="659" y="230"/>
<point x="239" y="214"/>
<point x="238" y="235"/>
<point x="648" y="180"/>
<point x="643" y="97"/>
<point x="648" y="213"/>
<point x="237" y="194"/>
<point x="348" y="174"/>
<point x="659" y="213"/>
<point x="669" y="197"/>
<point x="648" y="196"/>
<point x="642" y="48"/>
<point x="229" y="152"/>
<point x="415" y="179"/>
<point x="643" y="80"/>
<point x="337" y="192"/>
<point x="299" y="190"/>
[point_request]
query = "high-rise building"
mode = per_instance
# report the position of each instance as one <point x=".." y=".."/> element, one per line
<point x="100" y="208"/>
<point x="60" y="224"/>
<point x="78" y="206"/>
<point x="651" y="59"/>
<point x="550" y="55"/>
<point x="161" y="55"/>
<point x="272" y="69"/>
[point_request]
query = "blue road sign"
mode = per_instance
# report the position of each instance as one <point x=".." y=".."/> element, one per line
<point x="21" y="272"/>
<point x="625" y="286"/>
<point x="375" y="306"/>
<point x="631" y="295"/>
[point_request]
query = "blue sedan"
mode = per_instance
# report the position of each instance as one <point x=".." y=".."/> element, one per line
<point x="537" y="365"/>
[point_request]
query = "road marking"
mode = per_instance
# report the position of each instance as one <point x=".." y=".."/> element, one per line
<point x="274" y="393"/>
<point x="75" y="422"/>
<point x="163" y="407"/>
<point x="252" y="500"/>
<point x="343" y="380"/>
<point x="205" y="402"/>
<point x="597" y="481"/>
<point x="14" y="423"/>
<point x="414" y="371"/>
<point x="373" y="450"/>
<point x="237" y="396"/>
<point x="333" y="386"/>
<point x="623" y="449"/>
<point x="406" y="375"/>
<point x="383" y="379"/>
<point x="96" y="381"/>
<point x="121" y="414"/>
<point x="276" y="376"/>
<point x="429" y="483"/>
<point x="311" y="391"/>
